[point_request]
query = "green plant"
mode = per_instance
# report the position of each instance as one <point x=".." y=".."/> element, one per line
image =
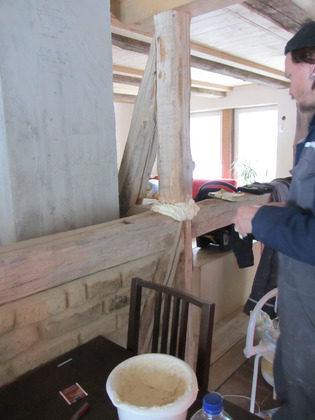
<point x="244" y="172"/>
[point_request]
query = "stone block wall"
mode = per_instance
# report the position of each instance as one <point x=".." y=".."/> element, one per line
<point x="45" y="325"/>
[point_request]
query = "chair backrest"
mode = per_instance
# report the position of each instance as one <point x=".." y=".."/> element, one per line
<point x="170" y="314"/>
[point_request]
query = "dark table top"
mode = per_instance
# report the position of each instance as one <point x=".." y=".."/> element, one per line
<point x="35" y="395"/>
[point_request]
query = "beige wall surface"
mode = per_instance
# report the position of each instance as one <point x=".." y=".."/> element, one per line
<point x="217" y="277"/>
<point x="245" y="96"/>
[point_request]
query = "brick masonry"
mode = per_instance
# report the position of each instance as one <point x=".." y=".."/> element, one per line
<point x="45" y="325"/>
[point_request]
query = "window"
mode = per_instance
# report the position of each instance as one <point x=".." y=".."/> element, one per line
<point x="205" y="141"/>
<point x="256" y="131"/>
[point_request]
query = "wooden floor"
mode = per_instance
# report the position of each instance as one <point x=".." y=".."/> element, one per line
<point x="230" y="371"/>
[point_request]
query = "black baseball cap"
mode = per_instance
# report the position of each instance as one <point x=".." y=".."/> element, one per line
<point x="305" y="37"/>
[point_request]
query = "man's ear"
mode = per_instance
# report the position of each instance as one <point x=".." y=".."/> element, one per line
<point x="312" y="72"/>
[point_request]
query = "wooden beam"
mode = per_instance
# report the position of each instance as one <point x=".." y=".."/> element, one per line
<point x="285" y="13"/>
<point x="175" y="166"/>
<point x="213" y="52"/>
<point x="227" y="141"/>
<point x="247" y="76"/>
<point x="29" y="267"/>
<point x="129" y="99"/>
<point x="141" y="147"/>
<point x="123" y="70"/>
<point x="207" y="85"/>
<point x="207" y="92"/>
<point x="203" y="64"/>
<point x="139" y="13"/>
<point x="130" y="44"/>
<point x="215" y="213"/>
<point x="173" y="106"/>
<point x="135" y="81"/>
<point x="127" y="70"/>
<point x="126" y="80"/>
<point x="307" y="6"/>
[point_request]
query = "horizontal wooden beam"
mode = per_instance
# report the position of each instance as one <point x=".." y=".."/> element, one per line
<point x="129" y="71"/>
<point x="31" y="266"/>
<point x="139" y="13"/>
<point x="215" y="213"/>
<point x="245" y="75"/>
<point x="142" y="47"/>
<point x="120" y="97"/>
<point x="213" y="52"/>
<point x="126" y="80"/>
<point x="289" y="15"/>
<point x="307" y="6"/>
<point x="196" y="91"/>
<point x="28" y="267"/>
<point x="135" y="81"/>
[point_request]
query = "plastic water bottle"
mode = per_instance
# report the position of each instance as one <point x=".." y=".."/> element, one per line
<point x="212" y="408"/>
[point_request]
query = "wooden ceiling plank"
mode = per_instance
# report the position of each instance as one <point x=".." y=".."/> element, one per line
<point x="127" y="80"/>
<point x="207" y="92"/>
<point x="130" y="44"/>
<point x="284" y="13"/>
<point x="127" y="70"/>
<point x="139" y="13"/>
<point x="229" y="57"/>
<point x="307" y="6"/>
<point x="135" y="81"/>
<point x="208" y="85"/>
<point x="203" y="64"/>
<point x="120" y="97"/>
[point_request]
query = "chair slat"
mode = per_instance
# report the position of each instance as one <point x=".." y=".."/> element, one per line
<point x="156" y="322"/>
<point x="183" y="330"/>
<point x="174" y="327"/>
<point x="165" y="322"/>
<point x="170" y="320"/>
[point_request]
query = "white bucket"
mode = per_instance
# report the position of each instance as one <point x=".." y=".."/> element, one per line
<point x="152" y="386"/>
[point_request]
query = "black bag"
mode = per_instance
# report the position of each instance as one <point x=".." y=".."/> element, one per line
<point x="219" y="237"/>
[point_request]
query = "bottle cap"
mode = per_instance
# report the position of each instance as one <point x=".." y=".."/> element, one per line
<point x="213" y="403"/>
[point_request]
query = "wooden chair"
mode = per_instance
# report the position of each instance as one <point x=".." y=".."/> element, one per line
<point x="170" y="323"/>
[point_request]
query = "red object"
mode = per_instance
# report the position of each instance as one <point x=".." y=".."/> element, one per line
<point x="197" y="183"/>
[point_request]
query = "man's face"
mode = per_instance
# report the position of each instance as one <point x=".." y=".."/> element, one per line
<point x="301" y="83"/>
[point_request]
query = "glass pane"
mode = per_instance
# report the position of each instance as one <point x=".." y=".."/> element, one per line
<point x="256" y="142"/>
<point x="205" y="140"/>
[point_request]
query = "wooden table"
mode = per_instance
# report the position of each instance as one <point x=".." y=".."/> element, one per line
<point x="35" y="395"/>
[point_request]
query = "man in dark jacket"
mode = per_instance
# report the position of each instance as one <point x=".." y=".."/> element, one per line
<point x="290" y="229"/>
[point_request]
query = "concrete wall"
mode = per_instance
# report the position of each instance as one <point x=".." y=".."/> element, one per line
<point x="58" y="155"/>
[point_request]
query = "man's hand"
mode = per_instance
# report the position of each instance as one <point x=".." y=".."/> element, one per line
<point x="243" y="219"/>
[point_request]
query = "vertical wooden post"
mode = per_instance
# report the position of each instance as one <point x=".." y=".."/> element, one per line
<point x="173" y="122"/>
<point x="227" y="141"/>
<point x="172" y="33"/>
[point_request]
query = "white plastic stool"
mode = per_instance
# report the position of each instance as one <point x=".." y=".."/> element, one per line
<point x="263" y="347"/>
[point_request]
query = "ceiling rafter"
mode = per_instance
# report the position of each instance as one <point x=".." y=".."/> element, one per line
<point x="284" y="13"/>
<point x="142" y="47"/>
<point x="129" y="71"/>
<point x="135" y="81"/>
